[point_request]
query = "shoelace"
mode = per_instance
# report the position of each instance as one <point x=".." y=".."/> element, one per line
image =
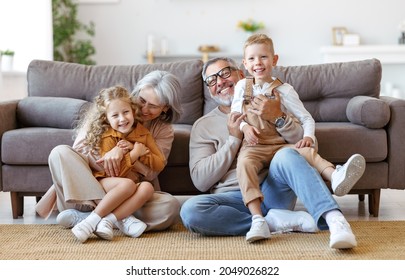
<point x="340" y="224"/>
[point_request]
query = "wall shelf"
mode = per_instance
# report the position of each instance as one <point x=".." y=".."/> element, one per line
<point x="158" y="58"/>
<point x="387" y="54"/>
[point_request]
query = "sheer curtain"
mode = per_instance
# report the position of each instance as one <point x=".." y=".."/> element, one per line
<point x="26" y="28"/>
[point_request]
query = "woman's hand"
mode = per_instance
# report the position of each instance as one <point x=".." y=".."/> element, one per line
<point x="111" y="161"/>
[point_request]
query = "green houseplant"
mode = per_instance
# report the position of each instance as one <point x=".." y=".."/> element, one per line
<point x="6" y="59"/>
<point x="7" y="52"/>
<point x="67" y="33"/>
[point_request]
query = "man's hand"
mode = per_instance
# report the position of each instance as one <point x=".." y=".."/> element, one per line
<point x="268" y="108"/>
<point x="111" y="161"/>
<point x="234" y="120"/>
<point x="305" y="142"/>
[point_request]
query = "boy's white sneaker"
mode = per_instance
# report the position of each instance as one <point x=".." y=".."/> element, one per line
<point x="341" y="235"/>
<point x="258" y="230"/>
<point x="131" y="226"/>
<point x="282" y="220"/>
<point x="346" y="176"/>
<point x="71" y="217"/>
<point x="104" y="229"/>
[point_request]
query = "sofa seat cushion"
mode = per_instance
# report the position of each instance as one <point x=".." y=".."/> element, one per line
<point x="32" y="145"/>
<point x="368" y="111"/>
<point x="57" y="112"/>
<point x="338" y="141"/>
<point x="26" y="178"/>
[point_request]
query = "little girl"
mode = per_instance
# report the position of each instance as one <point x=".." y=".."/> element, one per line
<point x="114" y="120"/>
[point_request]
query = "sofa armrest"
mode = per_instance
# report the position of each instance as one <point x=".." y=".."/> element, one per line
<point x="396" y="136"/>
<point x="368" y="111"/>
<point x="8" y="113"/>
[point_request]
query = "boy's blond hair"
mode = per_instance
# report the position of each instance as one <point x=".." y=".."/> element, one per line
<point x="259" y="39"/>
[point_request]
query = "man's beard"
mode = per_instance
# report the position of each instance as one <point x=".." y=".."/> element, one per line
<point x="222" y="100"/>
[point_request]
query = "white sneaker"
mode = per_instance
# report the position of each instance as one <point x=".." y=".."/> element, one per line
<point x="341" y="235"/>
<point x="282" y="220"/>
<point x="258" y="230"/>
<point x="71" y="217"/>
<point x="82" y="231"/>
<point x="131" y="226"/>
<point x="104" y="229"/>
<point x="346" y="176"/>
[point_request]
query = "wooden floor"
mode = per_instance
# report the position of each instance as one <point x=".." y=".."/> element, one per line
<point x="392" y="207"/>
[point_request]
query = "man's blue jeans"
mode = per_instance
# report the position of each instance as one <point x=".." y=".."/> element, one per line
<point x="290" y="176"/>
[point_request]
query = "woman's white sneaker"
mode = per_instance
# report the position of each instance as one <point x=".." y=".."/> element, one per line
<point x="71" y="217"/>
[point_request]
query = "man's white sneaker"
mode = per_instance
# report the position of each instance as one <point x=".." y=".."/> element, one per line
<point x="341" y="235"/>
<point x="104" y="229"/>
<point x="71" y="217"/>
<point x="82" y="231"/>
<point x="346" y="176"/>
<point x="258" y="230"/>
<point x="131" y="226"/>
<point x="282" y="220"/>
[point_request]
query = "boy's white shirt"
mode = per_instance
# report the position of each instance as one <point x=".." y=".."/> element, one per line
<point x="289" y="99"/>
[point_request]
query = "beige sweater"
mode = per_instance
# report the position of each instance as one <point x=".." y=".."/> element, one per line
<point x="213" y="152"/>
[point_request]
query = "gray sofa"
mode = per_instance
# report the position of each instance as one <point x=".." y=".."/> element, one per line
<point x="342" y="97"/>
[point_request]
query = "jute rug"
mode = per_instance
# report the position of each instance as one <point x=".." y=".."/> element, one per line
<point x="376" y="241"/>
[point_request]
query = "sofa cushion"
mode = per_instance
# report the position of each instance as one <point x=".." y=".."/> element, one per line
<point x="61" y="79"/>
<point x="326" y="89"/>
<point x="32" y="145"/>
<point x="337" y="141"/>
<point x="56" y="112"/>
<point x="368" y="111"/>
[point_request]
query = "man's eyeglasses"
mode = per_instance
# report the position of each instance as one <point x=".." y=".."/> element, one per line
<point x="223" y="73"/>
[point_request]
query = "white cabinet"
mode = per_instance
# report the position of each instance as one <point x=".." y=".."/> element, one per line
<point x="13" y="85"/>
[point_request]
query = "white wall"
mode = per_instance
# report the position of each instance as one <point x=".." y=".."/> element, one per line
<point x="26" y="28"/>
<point x="298" y="27"/>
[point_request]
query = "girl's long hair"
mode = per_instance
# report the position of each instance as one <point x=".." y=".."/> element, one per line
<point x="94" y="121"/>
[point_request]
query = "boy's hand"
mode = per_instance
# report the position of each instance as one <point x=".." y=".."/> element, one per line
<point x="305" y="142"/>
<point x="251" y="133"/>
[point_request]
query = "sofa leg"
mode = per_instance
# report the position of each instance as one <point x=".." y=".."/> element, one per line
<point x="361" y="197"/>
<point x="17" y="204"/>
<point x="374" y="202"/>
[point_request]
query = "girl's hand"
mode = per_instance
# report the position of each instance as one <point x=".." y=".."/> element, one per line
<point x="305" y="142"/>
<point x="125" y="145"/>
<point x="140" y="149"/>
